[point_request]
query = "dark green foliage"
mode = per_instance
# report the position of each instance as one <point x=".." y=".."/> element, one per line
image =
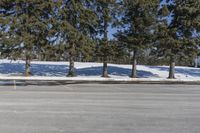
<point x="25" y="26"/>
<point x="177" y="37"/>
<point x="76" y="23"/>
<point x="139" y="18"/>
<point x="78" y="30"/>
<point x="105" y="10"/>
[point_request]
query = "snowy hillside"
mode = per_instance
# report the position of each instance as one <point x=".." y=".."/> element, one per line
<point x="59" y="69"/>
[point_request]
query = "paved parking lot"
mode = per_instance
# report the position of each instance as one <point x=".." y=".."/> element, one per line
<point x="98" y="108"/>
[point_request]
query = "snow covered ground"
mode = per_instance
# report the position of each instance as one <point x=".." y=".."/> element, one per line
<point x="52" y="70"/>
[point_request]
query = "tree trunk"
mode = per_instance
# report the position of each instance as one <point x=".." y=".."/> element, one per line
<point x="172" y="68"/>
<point x="105" y="58"/>
<point x="105" y="69"/>
<point x="71" y="72"/>
<point x="27" y="66"/>
<point x="134" y="65"/>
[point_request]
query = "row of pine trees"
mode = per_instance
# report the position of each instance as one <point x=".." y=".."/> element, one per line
<point x="69" y="28"/>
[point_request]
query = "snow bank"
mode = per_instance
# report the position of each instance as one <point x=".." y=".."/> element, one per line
<point x="92" y="71"/>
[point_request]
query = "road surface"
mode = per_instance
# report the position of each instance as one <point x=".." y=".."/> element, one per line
<point x="98" y="108"/>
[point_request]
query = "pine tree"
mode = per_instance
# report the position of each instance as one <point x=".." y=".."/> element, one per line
<point x="76" y="21"/>
<point x="105" y="10"/>
<point x="24" y="21"/>
<point x="139" y="17"/>
<point x="175" y="38"/>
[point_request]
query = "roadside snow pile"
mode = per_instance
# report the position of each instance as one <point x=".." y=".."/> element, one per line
<point x="93" y="70"/>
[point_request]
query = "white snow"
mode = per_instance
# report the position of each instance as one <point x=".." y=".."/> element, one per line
<point x="92" y="71"/>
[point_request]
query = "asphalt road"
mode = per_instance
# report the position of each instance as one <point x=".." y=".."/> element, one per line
<point x="99" y="108"/>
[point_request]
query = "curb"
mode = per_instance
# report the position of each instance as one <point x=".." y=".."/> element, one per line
<point x="84" y="80"/>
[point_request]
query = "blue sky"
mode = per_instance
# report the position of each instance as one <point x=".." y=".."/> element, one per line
<point x="111" y="31"/>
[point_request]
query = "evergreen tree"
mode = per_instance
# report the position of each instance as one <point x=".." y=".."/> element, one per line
<point x="25" y="24"/>
<point x="139" y="17"/>
<point x="175" y="38"/>
<point x="76" y="25"/>
<point x="105" y="10"/>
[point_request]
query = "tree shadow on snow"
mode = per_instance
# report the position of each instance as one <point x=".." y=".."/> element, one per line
<point x="8" y="68"/>
<point x="116" y="71"/>
<point x="61" y="70"/>
<point x="36" y="69"/>
<point x="49" y="70"/>
<point x="188" y="72"/>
